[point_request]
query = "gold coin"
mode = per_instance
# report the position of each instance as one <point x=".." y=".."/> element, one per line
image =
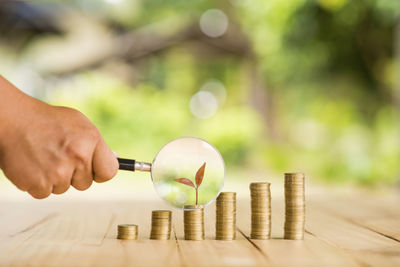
<point x="127" y="231"/>
<point x="225" y="226"/>
<point x="193" y="220"/>
<point x="227" y="195"/>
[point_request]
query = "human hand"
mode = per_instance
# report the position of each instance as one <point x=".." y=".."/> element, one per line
<point x="44" y="149"/>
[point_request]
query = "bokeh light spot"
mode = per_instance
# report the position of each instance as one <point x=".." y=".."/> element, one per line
<point x="216" y="88"/>
<point x="203" y="105"/>
<point x="214" y="23"/>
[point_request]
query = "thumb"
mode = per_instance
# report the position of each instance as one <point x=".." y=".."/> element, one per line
<point x="105" y="164"/>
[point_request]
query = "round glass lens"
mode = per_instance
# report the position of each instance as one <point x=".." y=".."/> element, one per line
<point x="188" y="171"/>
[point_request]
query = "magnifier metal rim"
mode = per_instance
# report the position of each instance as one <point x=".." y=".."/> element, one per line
<point x="191" y="137"/>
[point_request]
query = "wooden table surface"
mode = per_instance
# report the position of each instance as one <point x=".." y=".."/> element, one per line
<point x="350" y="230"/>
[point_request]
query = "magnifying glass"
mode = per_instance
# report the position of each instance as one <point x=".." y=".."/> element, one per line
<point x="186" y="171"/>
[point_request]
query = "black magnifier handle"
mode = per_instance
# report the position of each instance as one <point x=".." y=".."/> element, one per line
<point x="133" y="165"/>
<point x="126" y="164"/>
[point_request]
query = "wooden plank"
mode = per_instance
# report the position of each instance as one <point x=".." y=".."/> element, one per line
<point x="366" y="246"/>
<point x="18" y="225"/>
<point x="86" y="236"/>
<point x="50" y="242"/>
<point x="372" y="212"/>
<point x="143" y="252"/>
<point x="308" y="252"/>
<point x="16" y="217"/>
<point x="80" y="234"/>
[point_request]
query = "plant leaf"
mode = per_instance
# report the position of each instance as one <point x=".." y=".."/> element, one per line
<point x="185" y="181"/>
<point x="200" y="174"/>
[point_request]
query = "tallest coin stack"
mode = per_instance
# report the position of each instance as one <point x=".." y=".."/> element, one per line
<point x="294" y="206"/>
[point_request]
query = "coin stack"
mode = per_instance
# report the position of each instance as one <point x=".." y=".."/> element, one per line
<point x="260" y="210"/>
<point x="225" y="226"/>
<point x="127" y="231"/>
<point x="193" y="219"/>
<point x="160" y="224"/>
<point x="294" y="206"/>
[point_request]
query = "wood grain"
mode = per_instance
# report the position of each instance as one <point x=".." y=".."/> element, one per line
<point x="341" y="231"/>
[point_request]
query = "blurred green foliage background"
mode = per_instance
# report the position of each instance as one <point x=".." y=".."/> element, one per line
<point x="294" y="85"/>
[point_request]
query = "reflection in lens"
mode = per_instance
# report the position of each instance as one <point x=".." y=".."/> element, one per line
<point x="182" y="158"/>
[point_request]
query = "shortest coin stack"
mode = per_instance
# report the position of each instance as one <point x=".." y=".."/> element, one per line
<point x="294" y="206"/>
<point x="127" y="231"/>
<point x="160" y="224"/>
<point x="225" y="227"/>
<point x="193" y="220"/>
<point x="260" y="194"/>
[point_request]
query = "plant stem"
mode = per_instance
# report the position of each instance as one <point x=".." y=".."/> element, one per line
<point x="197" y="196"/>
